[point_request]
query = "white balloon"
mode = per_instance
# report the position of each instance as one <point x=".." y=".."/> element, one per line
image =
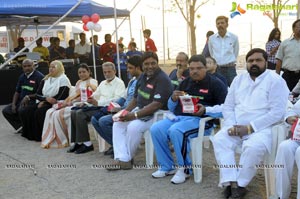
<point x="97" y="27"/>
<point x="90" y="25"/>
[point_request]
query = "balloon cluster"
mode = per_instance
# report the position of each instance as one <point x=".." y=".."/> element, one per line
<point x="91" y="23"/>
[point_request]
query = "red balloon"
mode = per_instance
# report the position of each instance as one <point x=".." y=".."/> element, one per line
<point x="85" y="19"/>
<point x="85" y="27"/>
<point x="95" y="18"/>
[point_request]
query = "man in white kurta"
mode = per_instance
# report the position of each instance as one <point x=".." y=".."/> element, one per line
<point x="288" y="152"/>
<point x="255" y="101"/>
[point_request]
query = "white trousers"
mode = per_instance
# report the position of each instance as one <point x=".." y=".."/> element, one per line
<point x="253" y="152"/>
<point x="127" y="137"/>
<point x="288" y="151"/>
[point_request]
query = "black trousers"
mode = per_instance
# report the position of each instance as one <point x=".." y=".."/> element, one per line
<point x="291" y="78"/>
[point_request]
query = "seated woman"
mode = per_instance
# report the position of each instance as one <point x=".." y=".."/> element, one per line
<point x="55" y="86"/>
<point x="57" y="123"/>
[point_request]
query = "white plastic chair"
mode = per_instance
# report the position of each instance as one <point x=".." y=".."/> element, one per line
<point x="101" y="141"/>
<point x="278" y="135"/>
<point x="149" y="148"/>
<point x="197" y="148"/>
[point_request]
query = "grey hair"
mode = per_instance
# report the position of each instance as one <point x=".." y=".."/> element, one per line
<point x="109" y="64"/>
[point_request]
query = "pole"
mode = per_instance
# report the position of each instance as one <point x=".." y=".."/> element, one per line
<point x="163" y="16"/>
<point x="93" y="51"/>
<point x="116" y="27"/>
<point x="54" y="24"/>
<point x="298" y="10"/>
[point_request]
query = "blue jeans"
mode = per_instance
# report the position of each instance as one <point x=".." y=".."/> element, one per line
<point x="228" y="72"/>
<point x="103" y="126"/>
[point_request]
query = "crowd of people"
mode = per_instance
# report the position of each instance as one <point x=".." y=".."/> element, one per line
<point x="50" y="110"/>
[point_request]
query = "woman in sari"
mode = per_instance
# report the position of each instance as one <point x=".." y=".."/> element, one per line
<point x="57" y="123"/>
<point x="54" y="87"/>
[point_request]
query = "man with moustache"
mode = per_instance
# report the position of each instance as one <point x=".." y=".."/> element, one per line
<point x="181" y="72"/>
<point x="288" y="57"/>
<point x="151" y="94"/>
<point x="255" y="101"/>
<point x="110" y="89"/>
<point x="27" y="86"/>
<point x="224" y="48"/>
<point x="183" y="126"/>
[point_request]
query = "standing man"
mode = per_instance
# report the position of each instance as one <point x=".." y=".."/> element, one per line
<point x="205" y="51"/>
<point x="112" y="88"/>
<point x="82" y="49"/>
<point x="96" y="51"/>
<point x="108" y="49"/>
<point x="27" y="86"/>
<point x="149" y="43"/>
<point x="151" y="94"/>
<point x="288" y="57"/>
<point x="224" y="48"/>
<point x="181" y="72"/>
<point x="255" y="101"/>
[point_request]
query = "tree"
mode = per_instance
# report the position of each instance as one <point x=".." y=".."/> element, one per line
<point x="275" y="13"/>
<point x="15" y="32"/>
<point x="188" y="9"/>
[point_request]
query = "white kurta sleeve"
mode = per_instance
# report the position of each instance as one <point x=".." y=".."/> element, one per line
<point x="278" y="96"/>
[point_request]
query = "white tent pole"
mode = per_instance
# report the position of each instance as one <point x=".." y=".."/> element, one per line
<point x="163" y="16"/>
<point x="117" y="45"/>
<point x="54" y="24"/>
<point x="93" y="51"/>
<point x="126" y="17"/>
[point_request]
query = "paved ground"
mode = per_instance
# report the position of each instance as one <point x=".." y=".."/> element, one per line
<point x="81" y="180"/>
<point x="84" y="176"/>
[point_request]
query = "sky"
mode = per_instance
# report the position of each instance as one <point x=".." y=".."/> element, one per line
<point x="250" y="26"/>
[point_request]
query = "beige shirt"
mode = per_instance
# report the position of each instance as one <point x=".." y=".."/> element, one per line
<point x="82" y="50"/>
<point x="109" y="91"/>
<point x="289" y="54"/>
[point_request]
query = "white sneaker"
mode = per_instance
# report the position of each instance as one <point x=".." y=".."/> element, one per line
<point x="161" y="174"/>
<point x="179" y="177"/>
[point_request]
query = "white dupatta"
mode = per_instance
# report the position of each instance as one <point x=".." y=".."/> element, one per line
<point x="52" y="85"/>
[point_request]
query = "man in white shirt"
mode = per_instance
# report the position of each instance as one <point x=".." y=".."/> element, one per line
<point x="82" y="49"/>
<point x="255" y="101"/>
<point x="224" y="48"/>
<point x="112" y="88"/>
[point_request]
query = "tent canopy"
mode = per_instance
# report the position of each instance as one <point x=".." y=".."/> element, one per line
<point x="35" y="12"/>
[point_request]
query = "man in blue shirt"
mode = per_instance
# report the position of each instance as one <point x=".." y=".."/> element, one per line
<point x="181" y="71"/>
<point x="184" y="125"/>
<point x="27" y="86"/>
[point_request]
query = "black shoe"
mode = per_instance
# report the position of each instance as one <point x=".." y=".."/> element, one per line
<point x="84" y="149"/>
<point x="238" y="193"/>
<point x="227" y="192"/>
<point x="109" y="151"/>
<point x="74" y="148"/>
